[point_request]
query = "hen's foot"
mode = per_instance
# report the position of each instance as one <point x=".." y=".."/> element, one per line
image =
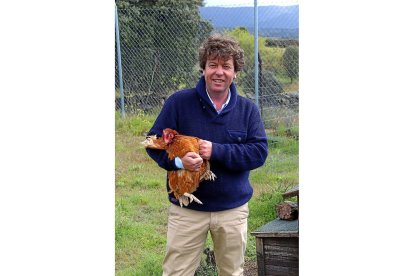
<point x="187" y="199"/>
<point x="208" y="175"/>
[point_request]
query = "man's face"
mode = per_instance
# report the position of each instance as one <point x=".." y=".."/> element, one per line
<point x="219" y="74"/>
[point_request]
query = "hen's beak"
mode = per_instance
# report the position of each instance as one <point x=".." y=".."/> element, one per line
<point x="149" y="141"/>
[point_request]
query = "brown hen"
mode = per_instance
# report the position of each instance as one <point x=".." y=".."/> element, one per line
<point x="181" y="182"/>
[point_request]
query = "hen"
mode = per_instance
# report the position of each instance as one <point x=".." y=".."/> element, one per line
<point x="181" y="182"/>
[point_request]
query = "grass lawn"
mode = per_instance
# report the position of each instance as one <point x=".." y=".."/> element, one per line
<point x="141" y="199"/>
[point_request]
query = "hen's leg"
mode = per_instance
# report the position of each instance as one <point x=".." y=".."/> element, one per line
<point x="187" y="199"/>
<point x="183" y="201"/>
<point x="192" y="197"/>
<point x="207" y="175"/>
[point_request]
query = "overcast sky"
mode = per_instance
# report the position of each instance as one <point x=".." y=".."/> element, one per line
<point x="250" y="2"/>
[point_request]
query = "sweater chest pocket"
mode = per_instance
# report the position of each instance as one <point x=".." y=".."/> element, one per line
<point x="237" y="136"/>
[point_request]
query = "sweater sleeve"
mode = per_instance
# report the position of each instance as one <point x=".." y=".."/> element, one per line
<point x="244" y="156"/>
<point x="166" y="119"/>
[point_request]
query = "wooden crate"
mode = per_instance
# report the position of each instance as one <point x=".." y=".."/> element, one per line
<point x="277" y="248"/>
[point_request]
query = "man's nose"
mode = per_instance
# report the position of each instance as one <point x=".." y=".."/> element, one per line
<point x="219" y="70"/>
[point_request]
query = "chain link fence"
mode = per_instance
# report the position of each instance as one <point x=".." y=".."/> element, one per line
<point x="159" y="48"/>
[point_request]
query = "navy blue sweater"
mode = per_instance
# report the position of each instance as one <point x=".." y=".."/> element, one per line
<point x="239" y="143"/>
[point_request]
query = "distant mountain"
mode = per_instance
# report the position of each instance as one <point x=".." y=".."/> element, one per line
<point x="276" y="21"/>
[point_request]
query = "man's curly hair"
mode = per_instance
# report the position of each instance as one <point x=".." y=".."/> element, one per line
<point x="223" y="47"/>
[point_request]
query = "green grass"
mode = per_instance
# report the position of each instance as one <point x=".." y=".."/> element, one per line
<point x="137" y="124"/>
<point x="141" y="199"/>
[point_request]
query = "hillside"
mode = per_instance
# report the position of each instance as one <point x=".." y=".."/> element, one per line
<point x="274" y="21"/>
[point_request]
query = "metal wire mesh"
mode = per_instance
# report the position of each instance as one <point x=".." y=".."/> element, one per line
<point x="159" y="56"/>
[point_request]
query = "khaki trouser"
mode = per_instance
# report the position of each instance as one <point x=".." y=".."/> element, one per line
<point x="187" y="233"/>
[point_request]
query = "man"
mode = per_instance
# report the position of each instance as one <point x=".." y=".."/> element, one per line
<point x="234" y="141"/>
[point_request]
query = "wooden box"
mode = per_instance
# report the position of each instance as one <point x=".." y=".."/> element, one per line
<point x="277" y="248"/>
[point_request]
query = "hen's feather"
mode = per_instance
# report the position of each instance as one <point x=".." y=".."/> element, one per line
<point x="182" y="182"/>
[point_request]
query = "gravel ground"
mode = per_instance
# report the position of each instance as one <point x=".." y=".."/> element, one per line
<point x="250" y="268"/>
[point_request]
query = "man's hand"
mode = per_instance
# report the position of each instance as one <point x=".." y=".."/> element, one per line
<point x="205" y="149"/>
<point x="192" y="161"/>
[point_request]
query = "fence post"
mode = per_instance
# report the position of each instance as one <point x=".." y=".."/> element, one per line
<point x="256" y="53"/>
<point x="118" y="48"/>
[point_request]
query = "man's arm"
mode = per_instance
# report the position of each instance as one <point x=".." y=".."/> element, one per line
<point x="248" y="155"/>
<point x="166" y="119"/>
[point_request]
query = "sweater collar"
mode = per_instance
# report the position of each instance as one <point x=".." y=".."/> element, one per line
<point x="223" y="106"/>
<point x="202" y="93"/>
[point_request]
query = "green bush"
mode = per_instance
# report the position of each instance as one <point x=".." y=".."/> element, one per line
<point x="291" y="62"/>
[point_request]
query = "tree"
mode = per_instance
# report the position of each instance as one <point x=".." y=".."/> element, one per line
<point x="159" y="42"/>
<point x="291" y="62"/>
<point x="269" y="87"/>
<point x="268" y="67"/>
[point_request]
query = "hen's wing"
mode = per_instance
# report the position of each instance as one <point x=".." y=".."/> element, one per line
<point x="182" y="144"/>
<point x="183" y="183"/>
